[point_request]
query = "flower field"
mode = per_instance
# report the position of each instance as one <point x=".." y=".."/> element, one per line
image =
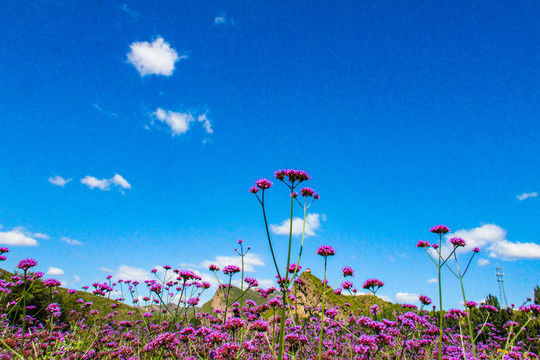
<point x="161" y="318"/>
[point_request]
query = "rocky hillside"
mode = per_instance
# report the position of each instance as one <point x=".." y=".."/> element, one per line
<point x="308" y="297"/>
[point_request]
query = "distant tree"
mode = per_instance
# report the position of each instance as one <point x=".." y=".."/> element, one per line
<point x="493" y="301"/>
<point x="537" y="295"/>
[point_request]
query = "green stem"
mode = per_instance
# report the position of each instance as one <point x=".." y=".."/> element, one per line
<point x="465" y="304"/>
<point x="285" y="284"/>
<point x="322" y="311"/>
<point x="440" y="299"/>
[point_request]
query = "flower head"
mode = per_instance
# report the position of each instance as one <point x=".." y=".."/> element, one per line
<point x="424" y="300"/>
<point x="231" y="270"/>
<point x="307" y="192"/>
<point x="294" y="268"/>
<point x="373" y="285"/>
<point x="254" y="189"/>
<point x="347" y="285"/>
<point x="3" y="250"/>
<point x="422" y="244"/>
<point x="293" y="175"/>
<point x="51" y="283"/>
<point x="457" y="241"/>
<point x="476" y="250"/>
<point x="326" y="250"/>
<point x="26" y="264"/>
<point x="263" y="184"/>
<point x="348" y="271"/>
<point x="251" y="282"/>
<point x="471" y="304"/>
<point x="440" y="229"/>
<point x="213" y="267"/>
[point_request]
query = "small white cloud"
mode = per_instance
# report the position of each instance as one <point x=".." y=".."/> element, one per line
<point x="491" y="238"/>
<point x="157" y="58"/>
<point x="313" y="222"/>
<point x="251" y="260"/>
<point x="527" y="195"/>
<point x="71" y="241"/>
<point x="40" y="236"/>
<point x="63" y="283"/>
<point x="220" y="20"/>
<point x="76" y="279"/>
<point x="266" y="283"/>
<point x="224" y="20"/>
<point x="105" y="184"/>
<point x="93" y="182"/>
<point x="178" y="122"/>
<point x="58" y="180"/>
<point x="483" y="262"/>
<point x="120" y="181"/>
<point x="106" y="113"/>
<point x="206" y="123"/>
<point x="132" y="273"/>
<point x="17" y="237"/>
<point x="404" y="297"/>
<point x="55" y="271"/>
<point x="432" y="281"/>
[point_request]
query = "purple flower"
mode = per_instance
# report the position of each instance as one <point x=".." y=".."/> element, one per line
<point x="254" y="189"/>
<point x="231" y="270"/>
<point x="424" y="299"/>
<point x="3" y="250"/>
<point x="457" y="241"/>
<point x="240" y="241"/>
<point x="26" y="264"/>
<point x="213" y="268"/>
<point x="293" y="268"/>
<point x="373" y="285"/>
<point x="422" y="244"/>
<point x="471" y="304"/>
<point x="307" y="192"/>
<point x="251" y="282"/>
<point x="263" y="184"/>
<point x="51" y="283"/>
<point x="435" y="246"/>
<point x="326" y="250"/>
<point x="293" y="175"/>
<point x="348" y="271"/>
<point x="440" y="229"/>
<point x="476" y="250"/>
<point x="347" y="285"/>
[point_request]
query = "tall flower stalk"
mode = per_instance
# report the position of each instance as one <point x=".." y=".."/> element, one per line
<point x="439" y="230"/>
<point x="458" y="242"/>
<point x="325" y="251"/>
<point x="294" y="178"/>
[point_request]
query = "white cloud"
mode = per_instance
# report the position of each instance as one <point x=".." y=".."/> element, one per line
<point x="70" y="241"/>
<point x="40" y="236"/>
<point x="251" y="260"/>
<point x="527" y="195"/>
<point x="432" y="281"/>
<point x="106" y="113"/>
<point x="120" y="181"/>
<point x="313" y="222"/>
<point x="93" y="182"/>
<point x="76" y="279"/>
<point x="220" y="20"/>
<point x="63" y="283"/>
<point x="491" y="238"/>
<point x="178" y="122"/>
<point x="156" y="58"/>
<point x="404" y="297"/>
<point x="105" y="184"/>
<point x="55" y="271"/>
<point x="224" y="20"/>
<point x="126" y="272"/>
<point x="58" y="180"/>
<point x="206" y="123"/>
<point x="483" y="262"/>
<point x="17" y="237"/>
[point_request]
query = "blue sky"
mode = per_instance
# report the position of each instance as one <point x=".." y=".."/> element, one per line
<point x="161" y="116"/>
